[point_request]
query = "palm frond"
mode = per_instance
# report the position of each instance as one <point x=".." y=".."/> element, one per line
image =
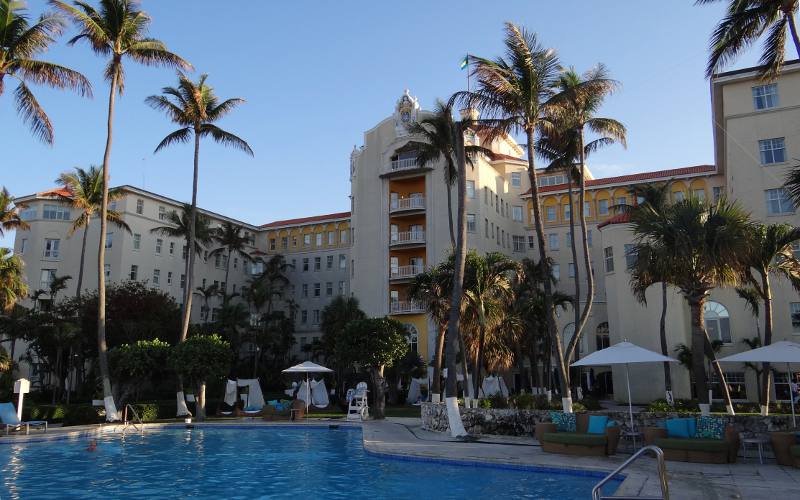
<point x="32" y="114"/>
<point x="225" y="138"/>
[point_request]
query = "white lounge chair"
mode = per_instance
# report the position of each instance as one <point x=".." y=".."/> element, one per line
<point x="358" y="409"/>
<point x="9" y="420"/>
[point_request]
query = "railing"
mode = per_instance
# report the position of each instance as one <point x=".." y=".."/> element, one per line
<point x="127" y="422"/>
<point x="413" y="203"/>
<point x="405" y="307"/>
<point x="403" y="164"/>
<point x="662" y="475"/>
<point x="404" y="237"/>
<point x="406" y="271"/>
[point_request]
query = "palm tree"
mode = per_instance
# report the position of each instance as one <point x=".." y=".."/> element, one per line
<point x="272" y="282"/>
<point x="704" y="246"/>
<point x="179" y="228"/>
<point x="12" y="280"/>
<point x="230" y="236"/>
<point x="20" y="45"/>
<point x="57" y="283"/>
<point x="769" y="252"/>
<point x="744" y="23"/>
<point x="9" y="218"/>
<point x="206" y="294"/>
<point x="488" y="292"/>
<point x="117" y="30"/>
<point x="335" y="316"/>
<point x="86" y="194"/>
<point x="434" y="288"/>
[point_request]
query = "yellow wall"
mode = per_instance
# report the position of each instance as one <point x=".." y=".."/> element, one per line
<point x="295" y="235"/>
<point x="421" y="323"/>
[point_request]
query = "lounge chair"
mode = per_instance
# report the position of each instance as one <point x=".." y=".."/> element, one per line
<point x="9" y="420"/>
<point x="692" y="445"/>
<point x="582" y="439"/>
<point x="357" y="408"/>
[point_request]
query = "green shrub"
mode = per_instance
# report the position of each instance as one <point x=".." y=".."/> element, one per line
<point x="522" y="401"/>
<point x="82" y="415"/>
<point x="484" y="403"/>
<point x="682" y="406"/>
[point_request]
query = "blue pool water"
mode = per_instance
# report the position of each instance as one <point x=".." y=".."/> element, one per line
<point x="257" y="463"/>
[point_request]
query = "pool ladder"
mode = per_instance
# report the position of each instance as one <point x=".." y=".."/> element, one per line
<point x="662" y="476"/>
<point x="127" y="422"/>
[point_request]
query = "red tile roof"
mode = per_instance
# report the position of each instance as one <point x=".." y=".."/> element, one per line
<point x="306" y="220"/>
<point x="59" y="191"/>
<point x="636" y="178"/>
<point x="622" y="218"/>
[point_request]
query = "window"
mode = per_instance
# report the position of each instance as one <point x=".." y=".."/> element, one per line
<point x="630" y="256"/>
<point x="304" y="316"/>
<point x="343" y="236"/>
<point x="778" y="202"/>
<point x="519" y="243"/>
<point x="317" y="288"/>
<point x="304" y="290"/>
<point x="342" y="261"/>
<point x="305" y="264"/>
<point x="551" y="180"/>
<point x="677" y="195"/>
<point x="160" y="243"/>
<point x="794" y="308"/>
<point x="171" y="247"/>
<point x="329" y="289"/>
<point x="516" y="179"/>
<point x="550" y="213"/>
<point x="236" y="262"/>
<point x="471" y="223"/>
<point x="306" y="240"/>
<point x="516" y="213"/>
<point x="134" y="275"/>
<point x="162" y="213"/>
<point x="765" y="96"/>
<point x="317" y="263"/>
<point x="204" y="282"/>
<point x="284" y="242"/>
<point x="602" y="207"/>
<point x="294" y="241"/>
<point x="486" y="227"/>
<point x="331" y="238"/>
<point x="55" y="212"/>
<point x="27" y="214"/>
<point x="496" y="204"/>
<point x="51" y="248"/>
<point x="47" y="277"/>
<point x="413" y="337"/>
<point x="470" y="189"/>
<point x="329" y="262"/>
<point x="485" y="195"/>
<point x="553" y="241"/>
<point x="556" y="272"/>
<point x="782" y="385"/>
<point x="184" y="252"/>
<point x="602" y="336"/>
<point x="139" y="206"/>
<point x="156" y="276"/>
<point x="772" y="151"/>
<point x="272" y="243"/>
<point x="716" y="192"/>
<point x="109" y="240"/>
<point x="568" y="240"/>
<point x="718" y="323"/>
<point x="183" y="281"/>
<point x="700" y="194"/>
<point x="531" y="241"/>
<point x="587" y="209"/>
<point x="23" y="245"/>
<point x="137" y="241"/>
<point x="567" y="212"/>
<point x="341" y="288"/>
<point x="571" y="270"/>
<point x="319" y="239"/>
<point x="316" y="317"/>
<point x="622" y="200"/>
<point x="169" y="278"/>
<point x="608" y="257"/>
<point x="736" y="386"/>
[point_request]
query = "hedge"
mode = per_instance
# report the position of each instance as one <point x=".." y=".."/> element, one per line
<point x="65" y="414"/>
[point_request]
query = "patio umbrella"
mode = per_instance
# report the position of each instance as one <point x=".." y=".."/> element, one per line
<point x="308" y="367"/>
<point x="778" y="352"/>
<point x="624" y="353"/>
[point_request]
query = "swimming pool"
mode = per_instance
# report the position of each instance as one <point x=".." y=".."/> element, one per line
<point x="266" y="462"/>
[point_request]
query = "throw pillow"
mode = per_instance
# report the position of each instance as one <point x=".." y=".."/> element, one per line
<point x="710" y="428"/>
<point x="565" y="422"/>
<point x="677" y="428"/>
<point x="597" y="424"/>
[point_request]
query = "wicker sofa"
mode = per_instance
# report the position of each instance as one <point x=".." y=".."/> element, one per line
<point x="784" y="445"/>
<point x="697" y="450"/>
<point x="579" y="442"/>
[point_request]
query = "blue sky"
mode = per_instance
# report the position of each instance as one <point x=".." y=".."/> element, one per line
<point x="316" y="75"/>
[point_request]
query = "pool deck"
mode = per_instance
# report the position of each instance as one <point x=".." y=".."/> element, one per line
<point x="405" y="437"/>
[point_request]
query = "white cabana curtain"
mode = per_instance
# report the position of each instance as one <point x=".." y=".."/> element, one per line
<point x="230" y="392"/>
<point x="319" y="394"/>
<point x="255" y="398"/>
<point x="414" y="390"/>
<point x="492" y="386"/>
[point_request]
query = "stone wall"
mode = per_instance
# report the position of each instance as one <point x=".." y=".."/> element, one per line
<point x="522" y="422"/>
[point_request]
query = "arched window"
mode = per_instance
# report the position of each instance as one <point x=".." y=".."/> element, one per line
<point x="603" y="340"/>
<point x="568" y="333"/>
<point x="718" y="322"/>
<point x="413" y="336"/>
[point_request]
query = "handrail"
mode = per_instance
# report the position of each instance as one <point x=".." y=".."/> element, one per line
<point x="126" y="421"/>
<point x="662" y="472"/>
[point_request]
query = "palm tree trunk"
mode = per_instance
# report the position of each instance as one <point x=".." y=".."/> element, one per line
<point x="453" y="325"/>
<point x="662" y="330"/>
<point x="712" y="356"/>
<point x="698" y="347"/>
<point x="102" y="347"/>
<point x="479" y="356"/>
<point x="201" y="401"/>
<point x="227" y="275"/>
<point x="436" y="386"/>
<point x="547" y="285"/>
<point x="448" y="187"/>
<point x="793" y="30"/>
<point x="464" y="363"/>
<point x="576" y="301"/>
<point x="765" y="367"/>
<point x="187" y="312"/>
<point x="83" y="258"/>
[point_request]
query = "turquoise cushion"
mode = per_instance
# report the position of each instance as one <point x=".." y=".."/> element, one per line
<point x="678" y="428"/>
<point x="597" y="424"/>
<point x="8" y="414"/>
<point x="691" y="425"/>
<point x="565" y="422"/>
<point x="710" y="428"/>
<point x="612" y="423"/>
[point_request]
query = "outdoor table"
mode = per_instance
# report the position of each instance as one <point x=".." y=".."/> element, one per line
<point x="632" y="435"/>
<point x="759" y="442"/>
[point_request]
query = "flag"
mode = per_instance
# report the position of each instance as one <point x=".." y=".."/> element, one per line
<point x="464" y="62"/>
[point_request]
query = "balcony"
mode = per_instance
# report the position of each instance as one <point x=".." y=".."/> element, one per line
<point x="413" y="203"/>
<point x="404" y="164"/>
<point x="405" y="272"/>
<point x="408" y="238"/>
<point x="406" y="307"/>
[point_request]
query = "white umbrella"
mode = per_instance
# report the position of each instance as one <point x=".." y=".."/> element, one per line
<point x="778" y="352"/>
<point x="308" y="367"/>
<point x="624" y="353"/>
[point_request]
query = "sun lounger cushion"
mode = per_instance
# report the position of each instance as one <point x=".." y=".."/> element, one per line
<point x="692" y="444"/>
<point x="597" y="424"/>
<point x="710" y="428"/>
<point x="575" y="438"/>
<point x="8" y="414"/>
<point x="681" y="428"/>
<point x="565" y="422"/>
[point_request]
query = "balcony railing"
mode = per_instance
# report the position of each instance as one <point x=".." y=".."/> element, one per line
<point x="413" y="203"/>
<point x="406" y="237"/>
<point x="406" y="271"/>
<point x="404" y="164"/>
<point x="406" y="307"/>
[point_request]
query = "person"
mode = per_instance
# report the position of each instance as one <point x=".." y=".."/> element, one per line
<point x="92" y="445"/>
<point x="793" y="386"/>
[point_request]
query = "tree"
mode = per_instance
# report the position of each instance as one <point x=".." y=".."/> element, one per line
<point x="9" y="218"/>
<point x="20" y="45"/>
<point x="202" y="359"/>
<point x="372" y="344"/>
<point x="704" y="245"/>
<point x="769" y="252"/>
<point x="86" y="194"/>
<point x="12" y="280"/>
<point x="179" y="228"/>
<point x="57" y="283"/>
<point x="118" y="30"/>
<point x="195" y="108"/>
<point x="134" y="365"/>
<point x="271" y="283"/>
<point x="230" y="235"/>
<point x="747" y="21"/>
<point x="434" y="289"/>
<point x="334" y="319"/>
<point x="206" y="294"/>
